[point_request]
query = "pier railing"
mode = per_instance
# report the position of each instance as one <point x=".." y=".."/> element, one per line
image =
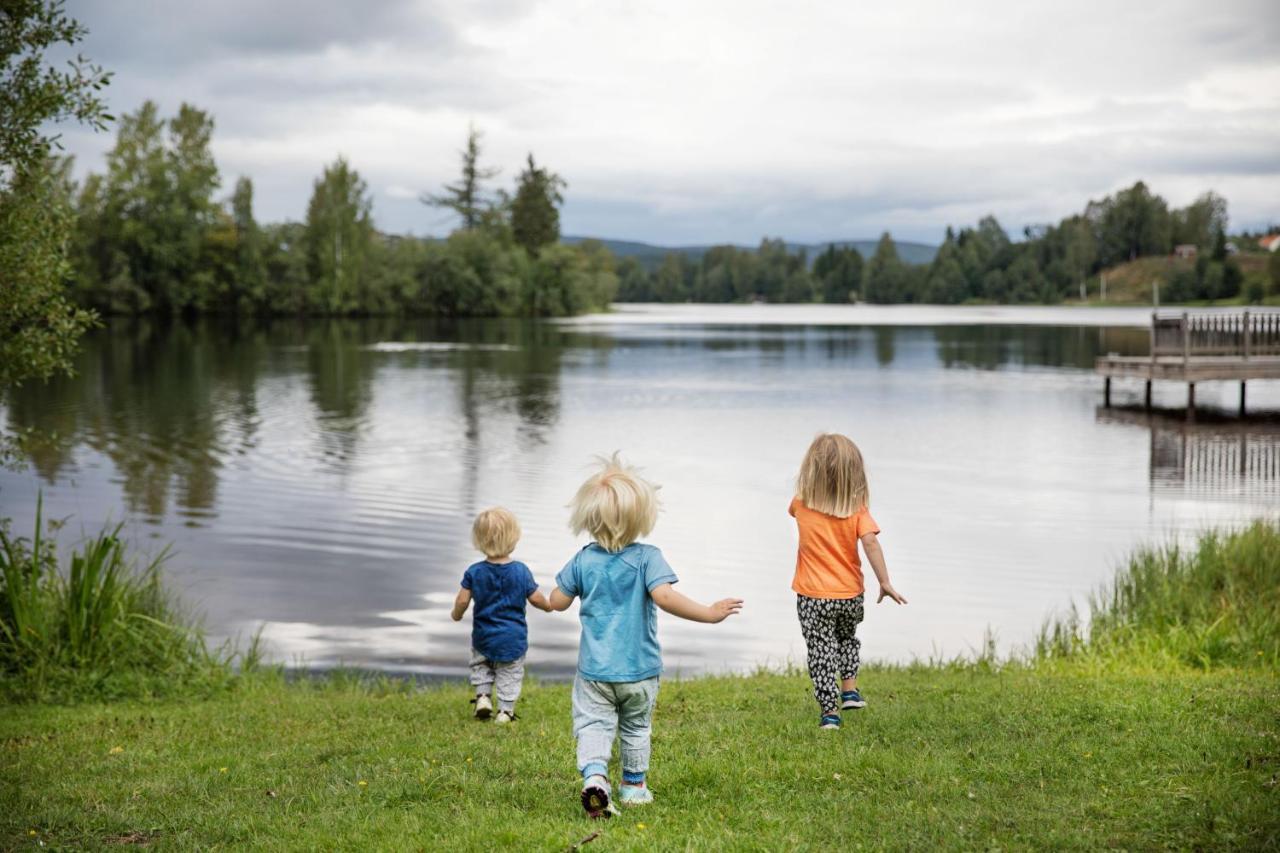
<point x="1242" y="335"/>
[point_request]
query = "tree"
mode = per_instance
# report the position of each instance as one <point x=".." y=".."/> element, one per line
<point x="1135" y="223"/>
<point x="1200" y="221"/>
<point x="152" y="217"/>
<point x="535" y="219"/>
<point x="839" y="274"/>
<point x="39" y="327"/>
<point x="886" y="275"/>
<point x="339" y="231"/>
<point x="250" y="271"/>
<point x="190" y="211"/>
<point x="466" y="198"/>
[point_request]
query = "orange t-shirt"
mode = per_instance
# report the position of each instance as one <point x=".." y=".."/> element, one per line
<point x="827" y="563"/>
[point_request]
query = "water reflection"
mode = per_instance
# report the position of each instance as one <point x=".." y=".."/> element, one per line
<point x="321" y="476"/>
<point x="167" y="403"/>
<point x="993" y="347"/>
<point x="1211" y="454"/>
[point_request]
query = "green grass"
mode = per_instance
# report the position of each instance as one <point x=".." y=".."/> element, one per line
<point x="1212" y="605"/>
<point x="1156" y="725"/>
<point x="101" y="626"/>
<point x="943" y="757"/>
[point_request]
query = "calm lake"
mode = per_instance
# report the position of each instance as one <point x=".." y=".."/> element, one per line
<point x="319" y="479"/>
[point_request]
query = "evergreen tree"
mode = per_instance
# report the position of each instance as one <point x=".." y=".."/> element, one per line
<point x="839" y="274"/>
<point x="338" y="235"/>
<point x="467" y="198"/>
<point x="535" y="217"/>
<point x="885" y="278"/>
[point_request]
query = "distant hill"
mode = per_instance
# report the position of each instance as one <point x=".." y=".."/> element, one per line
<point x="650" y="255"/>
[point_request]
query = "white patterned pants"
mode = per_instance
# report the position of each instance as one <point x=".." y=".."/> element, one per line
<point x="830" y="628"/>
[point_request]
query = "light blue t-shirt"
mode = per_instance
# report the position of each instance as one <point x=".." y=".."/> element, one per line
<point x="619" y="619"/>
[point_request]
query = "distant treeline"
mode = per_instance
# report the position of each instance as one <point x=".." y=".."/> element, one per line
<point x="978" y="264"/>
<point x="151" y="237"/>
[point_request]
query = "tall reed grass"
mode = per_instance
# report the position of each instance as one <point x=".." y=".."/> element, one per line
<point x="1215" y="604"/>
<point x="104" y="627"/>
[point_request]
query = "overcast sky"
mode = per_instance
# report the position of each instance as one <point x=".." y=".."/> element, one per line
<point x="698" y="121"/>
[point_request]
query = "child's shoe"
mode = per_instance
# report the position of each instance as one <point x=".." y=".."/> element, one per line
<point x="484" y="706"/>
<point x="829" y="721"/>
<point x="851" y="699"/>
<point x="504" y="717"/>
<point x="595" y="798"/>
<point x="635" y="795"/>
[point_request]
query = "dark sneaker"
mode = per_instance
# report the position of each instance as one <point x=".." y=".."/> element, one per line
<point x="595" y="798"/>
<point x="851" y="699"/>
<point x="829" y="721"/>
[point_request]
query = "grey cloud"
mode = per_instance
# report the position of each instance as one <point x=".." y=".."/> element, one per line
<point x="168" y="34"/>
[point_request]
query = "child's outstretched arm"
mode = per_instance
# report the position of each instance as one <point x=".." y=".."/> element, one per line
<point x="559" y="600"/>
<point x="460" y="604"/>
<point x="875" y="556"/>
<point x="686" y="608"/>
<point x="538" y="600"/>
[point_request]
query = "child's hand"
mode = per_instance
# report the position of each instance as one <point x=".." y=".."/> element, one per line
<point x="724" y="608"/>
<point x="887" y="591"/>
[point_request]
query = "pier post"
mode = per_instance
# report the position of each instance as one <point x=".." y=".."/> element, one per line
<point x="1147" y="395"/>
<point x="1106" y="393"/>
<point x="1191" y="397"/>
<point x="1242" y="398"/>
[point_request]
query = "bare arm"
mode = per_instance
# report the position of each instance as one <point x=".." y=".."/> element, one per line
<point x="559" y="600"/>
<point x="875" y="556"/>
<point x="686" y="608"/>
<point x="538" y="600"/>
<point x="460" y="604"/>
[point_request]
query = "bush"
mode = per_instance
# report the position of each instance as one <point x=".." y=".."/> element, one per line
<point x="104" y="628"/>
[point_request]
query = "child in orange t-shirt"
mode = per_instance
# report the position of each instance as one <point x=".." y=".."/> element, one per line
<point x="830" y="509"/>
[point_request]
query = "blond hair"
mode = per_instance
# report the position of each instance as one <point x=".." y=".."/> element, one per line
<point x="495" y="532"/>
<point x="832" y="478"/>
<point x="615" y="505"/>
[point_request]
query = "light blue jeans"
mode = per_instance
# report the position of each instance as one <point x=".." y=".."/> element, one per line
<point x="603" y="709"/>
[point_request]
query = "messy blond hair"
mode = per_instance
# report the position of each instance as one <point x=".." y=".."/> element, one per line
<point x="495" y="532"/>
<point x="832" y="479"/>
<point x="615" y="505"/>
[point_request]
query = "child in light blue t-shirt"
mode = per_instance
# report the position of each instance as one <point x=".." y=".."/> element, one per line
<point x="619" y="582"/>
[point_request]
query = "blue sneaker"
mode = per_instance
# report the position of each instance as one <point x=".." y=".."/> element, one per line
<point x="851" y="699"/>
<point x="635" y="795"/>
<point x="829" y="721"/>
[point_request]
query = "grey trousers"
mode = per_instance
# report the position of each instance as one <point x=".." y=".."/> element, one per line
<point x="604" y="710"/>
<point x="505" y="677"/>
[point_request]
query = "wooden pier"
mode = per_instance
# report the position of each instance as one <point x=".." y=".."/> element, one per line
<point x="1202" y="348"/>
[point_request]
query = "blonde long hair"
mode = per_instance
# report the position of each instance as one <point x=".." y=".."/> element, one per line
<point x="832" y="478"/>
<point x="615" y="505"/>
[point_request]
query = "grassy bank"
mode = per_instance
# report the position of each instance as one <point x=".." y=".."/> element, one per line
<point x="960" y="757"/>
<point x="1155" y="724"/>
<point x="99" y="625"/>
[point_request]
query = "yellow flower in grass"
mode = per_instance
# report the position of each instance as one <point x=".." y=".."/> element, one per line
<point x="116" y="750"/>
<point x="640" y="826"/>
<point x="222" y="770"/>
<point x="363" y="784"/>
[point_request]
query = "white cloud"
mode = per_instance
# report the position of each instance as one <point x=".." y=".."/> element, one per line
<point x="728" y="120"/>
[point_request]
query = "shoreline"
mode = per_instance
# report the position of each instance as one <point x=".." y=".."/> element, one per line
<point x="863" y="314"/>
